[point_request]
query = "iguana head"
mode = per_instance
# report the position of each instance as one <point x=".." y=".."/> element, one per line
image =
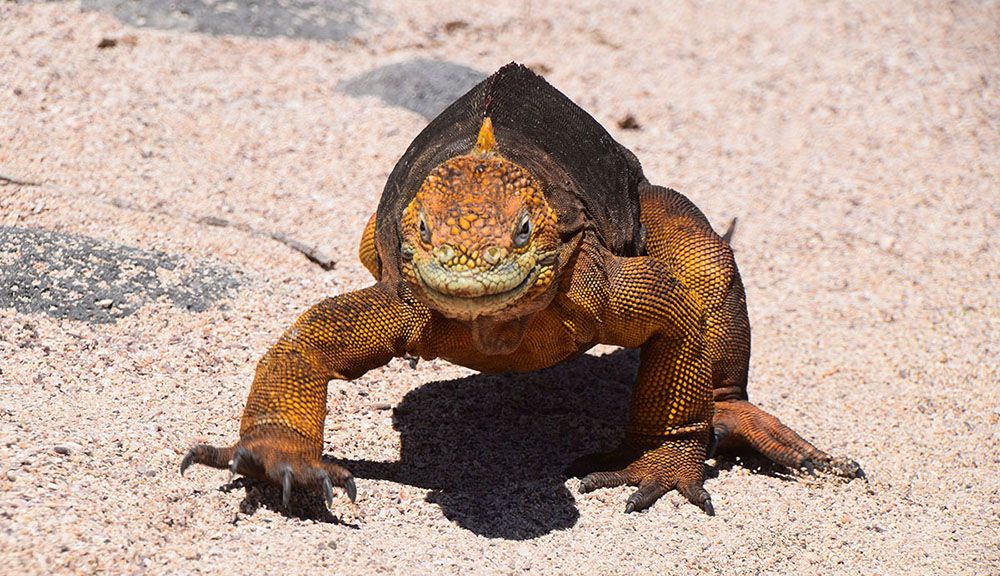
<point x="479" y="238"/>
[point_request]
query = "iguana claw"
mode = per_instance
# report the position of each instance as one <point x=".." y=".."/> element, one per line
<point x="234" y="464"/>
<point x="327" y="490"/>
<point x="808" y="467"/>
<point x="187" y="461"/>
<point x="649" y="491"/>
<point x="286" y="486"/>
<point x="207" y="455"/>
<point x="677" y="464"/>
<point x="707" y="507"/>
<point x="351" y="488"/>
<point x="843" y="467"/>
<point x="277" y="457"/>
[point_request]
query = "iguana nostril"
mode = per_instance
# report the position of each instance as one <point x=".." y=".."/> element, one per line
<point x="492" y="255"/>
<point x="444" y="253"/>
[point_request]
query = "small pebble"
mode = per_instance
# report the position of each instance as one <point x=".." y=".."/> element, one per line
<point x="66" y="448"/>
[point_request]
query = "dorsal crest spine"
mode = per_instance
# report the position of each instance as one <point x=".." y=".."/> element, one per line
<point x="485" y="143"/>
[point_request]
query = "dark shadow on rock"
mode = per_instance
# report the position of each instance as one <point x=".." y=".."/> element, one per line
<point x="493" y="448"/>
<point x="335" y="20"/>
<point x="424" y="86"/>
<point x="82" y="278"/>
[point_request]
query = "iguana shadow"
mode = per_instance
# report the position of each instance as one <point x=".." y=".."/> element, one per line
<point x="493" y="448"/>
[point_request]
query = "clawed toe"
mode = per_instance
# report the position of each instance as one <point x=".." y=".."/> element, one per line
<point x="351" y="488"/>
<point x="840" y="467"/>
<point x="286" y="485"/>
<point x="738" y="424"/>
<point x="333" y="475"/>
<point x="677" y="463"/>
<point x="241" y="456"/>
<point x="208" y="456"/>
<point x="643" y="498"/>
<point x="277" y="465"/>
<point x="808" y="467"/>
<point x="348" y="484"/>
<point x="327" y="490"/>
<point x="187" y="461"/>
<point x="697" y="495"/>
<point x="843" y="467"/>
<point x="706" y="505"/>
<point x="596" y="480"/>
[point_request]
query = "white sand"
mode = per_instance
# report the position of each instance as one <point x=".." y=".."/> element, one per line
<point x="859" y="146"/>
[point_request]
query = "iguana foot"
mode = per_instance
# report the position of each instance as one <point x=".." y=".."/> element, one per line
<point x="678" y="463"/>
<point x="739" y="424"/>
<point x="277" y="456"/>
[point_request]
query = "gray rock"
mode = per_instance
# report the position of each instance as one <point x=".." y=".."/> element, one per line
<point x="335" y="20"/>
<point x="66" y="448"/>
<point x="424" y="86"/>
<point x="71" y="276"/>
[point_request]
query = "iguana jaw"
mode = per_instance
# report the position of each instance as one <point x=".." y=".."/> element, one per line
<point x="468" y="295"/>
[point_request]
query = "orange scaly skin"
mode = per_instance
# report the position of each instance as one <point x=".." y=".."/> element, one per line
<point x="486" y="281"/>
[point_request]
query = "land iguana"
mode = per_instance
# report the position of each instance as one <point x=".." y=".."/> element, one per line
<point x="513" y="234"/>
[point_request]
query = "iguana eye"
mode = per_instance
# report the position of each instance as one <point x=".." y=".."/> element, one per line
<point x="425" y="231"/>
<point x="523" y="233"/>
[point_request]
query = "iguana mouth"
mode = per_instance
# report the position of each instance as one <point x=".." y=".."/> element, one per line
<point x="483" y="295"/>
<point x="473" y="298"/>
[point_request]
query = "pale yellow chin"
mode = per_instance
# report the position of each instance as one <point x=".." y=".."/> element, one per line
<point x="464" y="296"/>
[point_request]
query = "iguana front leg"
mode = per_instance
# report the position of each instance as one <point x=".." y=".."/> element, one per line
<point x="671" y="413"/>
<point x="281" y="432"/>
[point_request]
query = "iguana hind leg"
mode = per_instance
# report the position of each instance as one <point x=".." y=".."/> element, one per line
<point x="739" y="424"/>
<point x="681" y="237"/>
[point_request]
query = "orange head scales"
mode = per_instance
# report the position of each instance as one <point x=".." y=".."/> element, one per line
<point x="479" y="237"/>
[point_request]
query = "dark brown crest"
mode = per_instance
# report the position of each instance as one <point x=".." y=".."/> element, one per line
<point x="589" y="179"/>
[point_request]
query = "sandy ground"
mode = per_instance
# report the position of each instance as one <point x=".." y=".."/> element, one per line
<point x="858" y="145"/>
